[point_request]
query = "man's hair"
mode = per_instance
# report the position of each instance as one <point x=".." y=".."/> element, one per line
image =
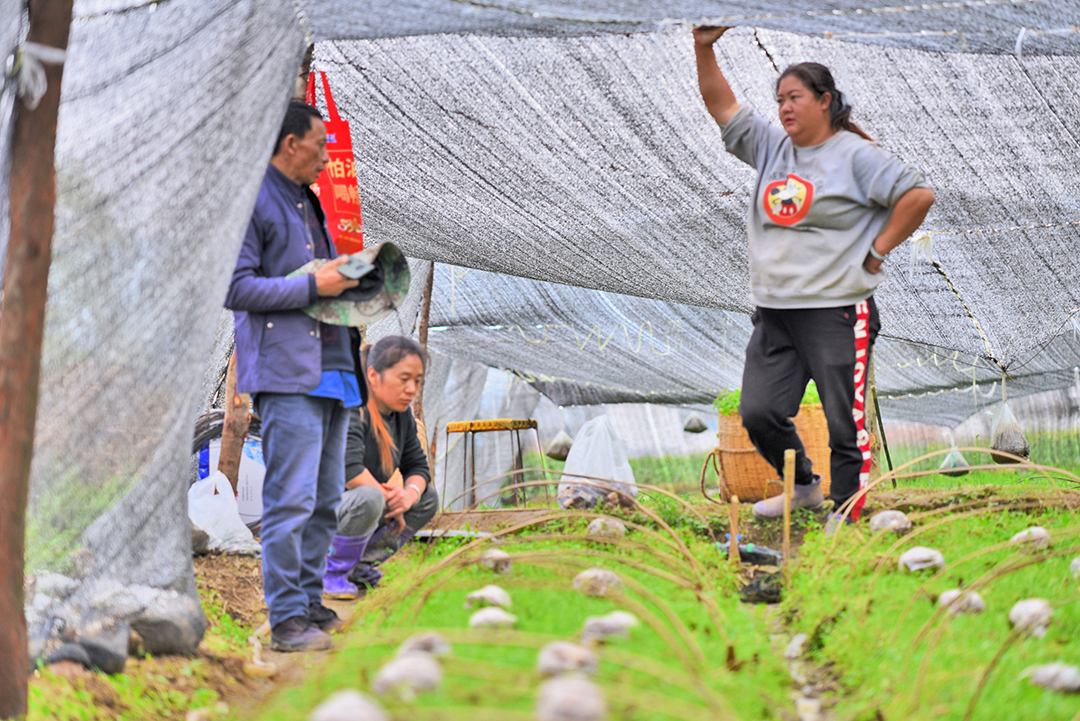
<point x="297" y="122"/>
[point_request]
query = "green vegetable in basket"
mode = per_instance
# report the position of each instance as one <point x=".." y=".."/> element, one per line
<point x="727" y="403"/>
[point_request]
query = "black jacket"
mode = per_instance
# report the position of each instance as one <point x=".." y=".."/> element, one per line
<point x="361" y="450"/>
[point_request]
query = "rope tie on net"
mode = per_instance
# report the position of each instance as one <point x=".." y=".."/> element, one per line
<point x="26" y="67"/>
<point x="1019" y="50"/>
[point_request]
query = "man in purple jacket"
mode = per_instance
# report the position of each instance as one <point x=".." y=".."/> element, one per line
<point x="300" y="374"/>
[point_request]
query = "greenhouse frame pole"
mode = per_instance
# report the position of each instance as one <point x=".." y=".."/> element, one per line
<point x="425" y="317"/>
<point x="32" y="187"/>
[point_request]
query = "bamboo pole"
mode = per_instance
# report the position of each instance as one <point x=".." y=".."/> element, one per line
<point x="789" y="490"/>
<point x="32" y="189"/>
<point x="733" y="543"/>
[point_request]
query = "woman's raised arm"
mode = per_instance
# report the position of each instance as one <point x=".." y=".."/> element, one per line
<point x="715" y="91"/>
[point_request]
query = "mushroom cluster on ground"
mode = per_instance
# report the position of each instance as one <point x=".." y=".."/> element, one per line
<point x="495" y="560"/>
<point x="920" y="558"/>
<point x="895" y="521"/>
<point x="606" y="528"/>
<point x="597" y="582"/>
<point x="489" y="596"/>
<point x="415" y="669"/>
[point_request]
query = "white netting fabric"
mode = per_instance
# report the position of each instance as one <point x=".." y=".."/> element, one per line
<point x="165" y="128"/>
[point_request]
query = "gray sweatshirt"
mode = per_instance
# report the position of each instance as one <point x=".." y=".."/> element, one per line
<point x="815" y="212"/>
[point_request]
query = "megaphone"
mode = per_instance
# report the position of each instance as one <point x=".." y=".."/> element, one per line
<point x="384" y="278"/>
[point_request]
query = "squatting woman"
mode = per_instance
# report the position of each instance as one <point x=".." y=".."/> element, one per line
<point x="389" y="495"/>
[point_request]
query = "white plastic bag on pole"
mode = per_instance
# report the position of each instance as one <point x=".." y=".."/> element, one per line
<point x="217" y="514"/>
<point x="599" y="453"/>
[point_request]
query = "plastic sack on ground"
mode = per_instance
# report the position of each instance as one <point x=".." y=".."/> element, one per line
<point x="598" y="454"/>
<point x="953" y="464"/>
<point x="217" y="514"/>
<point x="1007" y="436"/>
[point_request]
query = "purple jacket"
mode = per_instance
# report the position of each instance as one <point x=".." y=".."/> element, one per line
<point x="278" y="348"/>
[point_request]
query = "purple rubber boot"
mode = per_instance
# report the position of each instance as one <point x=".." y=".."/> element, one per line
<point x="383" y="545"/>
<point x="345" y="552"/>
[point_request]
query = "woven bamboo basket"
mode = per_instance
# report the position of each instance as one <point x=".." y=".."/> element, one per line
<point x="744" y="473"/>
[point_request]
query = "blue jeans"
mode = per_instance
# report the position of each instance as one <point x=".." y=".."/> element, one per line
<point x="304" y="449"/>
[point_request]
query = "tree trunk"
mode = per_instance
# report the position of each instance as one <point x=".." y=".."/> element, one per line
<point x="234" y="429"/>
<point x="22" y="321"/>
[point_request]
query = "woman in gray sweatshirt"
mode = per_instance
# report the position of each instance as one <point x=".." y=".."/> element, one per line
<point x="827" y="208"/>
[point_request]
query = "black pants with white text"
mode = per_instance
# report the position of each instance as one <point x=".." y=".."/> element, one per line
<point x="787" y="349"/>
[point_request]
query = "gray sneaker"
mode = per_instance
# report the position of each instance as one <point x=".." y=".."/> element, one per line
<point x="808" y="496"/>
<point x="298" y="634"/>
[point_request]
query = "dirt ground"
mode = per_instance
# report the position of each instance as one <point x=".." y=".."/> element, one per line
<point x="237" y="583"/>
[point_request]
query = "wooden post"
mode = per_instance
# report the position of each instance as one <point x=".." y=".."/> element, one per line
<point x="425" y="316"/>
<point x="300" y="86"/>
<point x="733" y="527"/>
<point x="22" y="322"/>
<point x="235" y="427"/>
<point x="789" y="490"/>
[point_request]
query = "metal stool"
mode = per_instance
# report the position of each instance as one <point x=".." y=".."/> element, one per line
<point x="471" y="428"/>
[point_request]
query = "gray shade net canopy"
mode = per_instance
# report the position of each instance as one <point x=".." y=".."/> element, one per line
<point x="589" y="161"/>
<point x="561" y="143"/>
<point x="580" y="346"/>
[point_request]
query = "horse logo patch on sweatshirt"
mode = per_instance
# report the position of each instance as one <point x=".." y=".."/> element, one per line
<point x="787" y="201"/>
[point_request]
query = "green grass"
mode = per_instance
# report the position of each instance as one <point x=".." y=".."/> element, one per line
<point x="165" y="692"/>
<point x="879" y="648"/>
<point x="674" y="666"/>
<point x="897" y="656"/>
<point x="57" y="516"/>
<point x="1050" y="448"/>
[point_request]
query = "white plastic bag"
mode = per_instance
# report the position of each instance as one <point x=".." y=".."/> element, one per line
<point x="249" y="483"/>
<point x="217" y="514"/>
<point x="953" y="464"/>
<point x="599" y="454"/>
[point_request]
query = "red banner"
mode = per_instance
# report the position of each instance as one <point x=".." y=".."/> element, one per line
<point x="336" y="187"/>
